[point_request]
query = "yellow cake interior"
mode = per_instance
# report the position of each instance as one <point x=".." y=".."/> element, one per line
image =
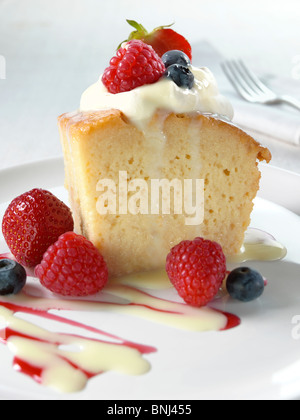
<point x="98" y="145"/>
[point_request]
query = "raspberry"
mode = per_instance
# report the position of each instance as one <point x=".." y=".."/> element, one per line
<point x="72" y="266"/>
<point x="135" y="64"/>
<point x="196" y="269"/>
<point x="32" y="222"/>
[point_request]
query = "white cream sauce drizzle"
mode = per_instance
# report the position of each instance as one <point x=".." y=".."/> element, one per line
<point x="64" y="370"/>
<point x="259" y="246"/>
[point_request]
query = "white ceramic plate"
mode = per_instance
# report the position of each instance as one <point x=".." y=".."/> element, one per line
<point x="260" y="359"/>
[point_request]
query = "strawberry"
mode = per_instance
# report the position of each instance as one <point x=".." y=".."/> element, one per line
<point x="162" y="39"/>
<point x="32" y="222"/>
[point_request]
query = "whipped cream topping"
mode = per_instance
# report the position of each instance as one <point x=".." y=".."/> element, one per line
<point x="141" y="103"/>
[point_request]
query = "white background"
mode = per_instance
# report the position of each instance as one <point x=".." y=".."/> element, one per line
<point x="54" y="49"/>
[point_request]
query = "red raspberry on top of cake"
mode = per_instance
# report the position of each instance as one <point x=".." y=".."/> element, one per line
<point x="135" y="64"/>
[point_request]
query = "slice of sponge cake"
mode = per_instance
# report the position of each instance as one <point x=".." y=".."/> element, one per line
<point x="102" y="147"/>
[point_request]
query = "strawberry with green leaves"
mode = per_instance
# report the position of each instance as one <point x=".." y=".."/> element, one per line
<point x="162" y="39"/>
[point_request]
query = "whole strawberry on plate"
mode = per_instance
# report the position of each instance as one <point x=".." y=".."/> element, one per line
<point x="32" y="222"/>
<point x="162" y="39"/>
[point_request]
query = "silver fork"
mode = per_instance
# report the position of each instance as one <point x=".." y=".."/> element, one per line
<point x="251" y="88"/>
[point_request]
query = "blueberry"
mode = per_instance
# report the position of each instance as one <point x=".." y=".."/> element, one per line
<point x="181" y="75"/>
<point x="12" y="277"/>
<point x="245" y="284"/>
<point x="175" y="57"/>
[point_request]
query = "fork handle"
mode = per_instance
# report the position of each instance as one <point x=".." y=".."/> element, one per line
<point x="290" y="101"/>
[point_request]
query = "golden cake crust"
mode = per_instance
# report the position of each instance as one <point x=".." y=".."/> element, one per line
<point x="84" y="122"/>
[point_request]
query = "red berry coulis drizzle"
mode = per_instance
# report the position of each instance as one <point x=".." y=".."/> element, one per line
<point x="36" y="372"/>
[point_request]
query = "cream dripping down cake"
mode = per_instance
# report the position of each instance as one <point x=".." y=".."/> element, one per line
<point x="152" y="158"/>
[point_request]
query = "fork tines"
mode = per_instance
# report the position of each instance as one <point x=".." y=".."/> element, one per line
<point x="244" y="80"/>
